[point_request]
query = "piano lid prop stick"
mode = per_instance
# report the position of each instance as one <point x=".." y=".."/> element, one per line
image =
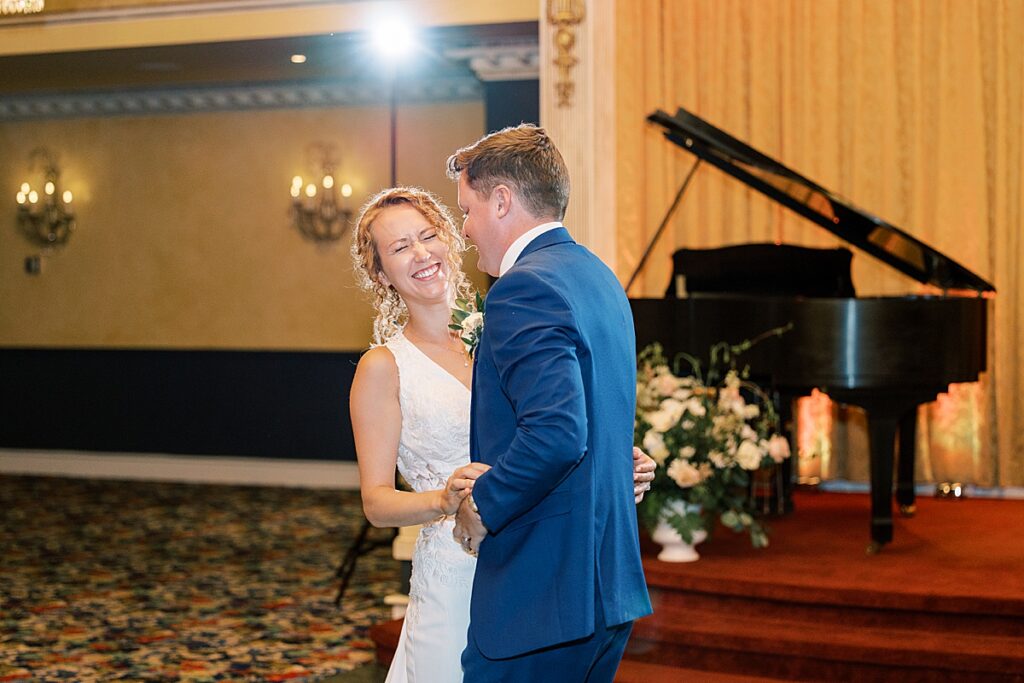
<point x="664" y="224"/>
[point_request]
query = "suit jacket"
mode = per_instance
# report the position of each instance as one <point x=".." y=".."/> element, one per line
<point x="554" y="394"/>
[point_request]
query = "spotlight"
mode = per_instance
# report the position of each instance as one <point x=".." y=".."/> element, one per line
<point x="393" y="39"/>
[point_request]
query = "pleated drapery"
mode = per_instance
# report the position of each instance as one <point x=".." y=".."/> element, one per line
<point x="912" y="109"/>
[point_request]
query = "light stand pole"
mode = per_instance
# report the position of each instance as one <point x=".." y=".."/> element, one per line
<point x="393" y="103"/>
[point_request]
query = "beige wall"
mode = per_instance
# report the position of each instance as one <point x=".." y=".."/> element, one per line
<point x="184" y="238"/>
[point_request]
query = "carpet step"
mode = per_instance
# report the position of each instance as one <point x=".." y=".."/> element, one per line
<point x="631" y="671"/>
<point x="744" y="644"/>
<point x="385" y="636"/>
<point x="821" y="614"/>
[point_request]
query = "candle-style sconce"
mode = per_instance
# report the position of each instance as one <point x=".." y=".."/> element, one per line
<point x="45" y="219"/>
<point x="318" y="212"/>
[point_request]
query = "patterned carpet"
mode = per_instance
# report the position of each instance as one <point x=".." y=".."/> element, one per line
<point x="139" y="581"/>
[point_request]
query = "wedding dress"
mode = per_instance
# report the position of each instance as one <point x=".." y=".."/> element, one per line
<point x="433" y="444"/>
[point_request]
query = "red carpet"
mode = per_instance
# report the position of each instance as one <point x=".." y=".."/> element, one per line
<point x="943" y="602"/>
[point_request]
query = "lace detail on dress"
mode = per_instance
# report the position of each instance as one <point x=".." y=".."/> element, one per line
<point x="433" y="444"/>
<point x="435" y="418"/>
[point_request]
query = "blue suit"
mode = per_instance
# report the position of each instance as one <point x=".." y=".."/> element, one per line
<point x="554" y="393"/>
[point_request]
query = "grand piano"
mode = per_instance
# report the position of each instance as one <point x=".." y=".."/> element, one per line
<point x="887" y="355"/>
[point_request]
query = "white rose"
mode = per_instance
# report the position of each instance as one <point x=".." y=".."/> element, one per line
<point x="732" y="380"/>
<point x="751" y="411"/>
<point x="666" y="383"/>
<point x="695" y="407"/>
<point x="748" y="455"/>
<point x="660" y="420"/>
<point x="683" y="473"/>
<point x="687" y="452"/>
<point x="778" y="447"/>
<point x="718" y="459"/>
<point x="472" y="322"/>
<point x="654" y="444"/>
<point x="674" y="408"/>
<point x="682" y="394"/>
<point x="747" y="432"/>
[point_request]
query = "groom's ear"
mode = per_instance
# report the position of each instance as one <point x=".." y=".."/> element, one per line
<point x="502" y="197"/>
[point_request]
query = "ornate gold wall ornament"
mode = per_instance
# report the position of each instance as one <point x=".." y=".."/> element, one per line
<point x="564" y="16"/>
<point x="21" y="6"/>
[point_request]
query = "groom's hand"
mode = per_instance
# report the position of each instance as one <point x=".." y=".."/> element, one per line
<point x="469" y="527"/>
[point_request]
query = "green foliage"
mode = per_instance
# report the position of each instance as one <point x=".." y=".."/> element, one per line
<point x="708" y="429"/>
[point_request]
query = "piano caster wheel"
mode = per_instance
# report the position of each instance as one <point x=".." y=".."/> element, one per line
<point x="908" y="510"/>
<point x="873" y="548"/>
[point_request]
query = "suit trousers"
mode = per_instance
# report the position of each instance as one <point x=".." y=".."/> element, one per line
<point x="594" y="659"/>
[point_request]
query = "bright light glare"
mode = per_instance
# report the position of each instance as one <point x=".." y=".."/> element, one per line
<point x="393" y="39"/>
<point x="49" y="187"/>
<point x="21" y="197"/>
<point x="346" y="190"/>
<point x="311" y="190"/>
<point x="328" y="182"/>
<point x="67" y="196"/>
<point x="298" y="59"/>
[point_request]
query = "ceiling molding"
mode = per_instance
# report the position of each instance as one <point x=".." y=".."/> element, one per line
<point x="517" y="62"/>
<point x="232" y="98"/>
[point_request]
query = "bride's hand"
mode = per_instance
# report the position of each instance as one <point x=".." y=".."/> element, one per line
<point x="643" y="473"/>
<point x="459" y="486"/>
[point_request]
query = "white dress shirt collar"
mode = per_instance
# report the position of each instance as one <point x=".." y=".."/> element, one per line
<point x="517" y="247"/>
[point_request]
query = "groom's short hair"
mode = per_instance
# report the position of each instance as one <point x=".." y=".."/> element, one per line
<point x="523" y="157"/>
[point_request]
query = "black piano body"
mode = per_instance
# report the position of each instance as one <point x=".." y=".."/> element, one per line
<point x="887" y="355"/>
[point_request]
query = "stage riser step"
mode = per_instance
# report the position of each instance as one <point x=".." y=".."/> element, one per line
<point x="631" y="671"/>
<point x="848" y="645"/>
<point x="820" y="615"/>
<point x="667" y="577"/>
<point x="798" y="668"/>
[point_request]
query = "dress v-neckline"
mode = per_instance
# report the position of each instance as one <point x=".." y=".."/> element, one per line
<point x="436" y="364"/>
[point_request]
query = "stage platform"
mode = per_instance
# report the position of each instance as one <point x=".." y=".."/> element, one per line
<point x="944" y="601"/>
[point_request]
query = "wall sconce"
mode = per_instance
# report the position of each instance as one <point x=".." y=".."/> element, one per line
<point x="316" y="210"/>
<point x="47" y="219"/>
<point x="21" y="6"/>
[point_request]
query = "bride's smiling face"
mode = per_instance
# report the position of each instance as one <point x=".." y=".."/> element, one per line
<point x="413" y="259"/>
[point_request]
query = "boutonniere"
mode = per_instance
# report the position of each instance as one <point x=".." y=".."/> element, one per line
<point x="468" y="321"/>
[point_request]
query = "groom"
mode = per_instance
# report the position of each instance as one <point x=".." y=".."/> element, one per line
<point x="559" y="580"/>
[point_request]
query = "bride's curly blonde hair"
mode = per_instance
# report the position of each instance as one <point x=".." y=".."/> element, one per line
<point x="392" y="313"/>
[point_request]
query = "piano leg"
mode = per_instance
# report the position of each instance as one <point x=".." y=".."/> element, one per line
<point x="905" y="464"/>
<point x="882" y="436"/>
<point x="885" y="413"/>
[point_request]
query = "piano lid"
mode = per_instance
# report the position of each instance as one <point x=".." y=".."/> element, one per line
<point x="856" y="226"/>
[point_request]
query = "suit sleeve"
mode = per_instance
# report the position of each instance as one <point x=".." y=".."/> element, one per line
<point x="533" y="338"/>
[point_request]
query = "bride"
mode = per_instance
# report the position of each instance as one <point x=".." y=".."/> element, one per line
<point x="410" y="408"/>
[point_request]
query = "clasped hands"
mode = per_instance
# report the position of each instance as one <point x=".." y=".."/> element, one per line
<point x="455" y="496"/>
<point x="469" y="528"/>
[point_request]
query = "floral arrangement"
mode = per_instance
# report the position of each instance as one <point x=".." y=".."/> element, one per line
<point x="468" y="321"/>
<point x="708" y="430"/>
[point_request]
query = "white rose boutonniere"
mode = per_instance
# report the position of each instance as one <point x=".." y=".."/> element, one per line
<point x="468" y="321"/>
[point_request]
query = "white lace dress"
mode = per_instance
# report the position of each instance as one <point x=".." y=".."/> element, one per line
<point x="433" y="444"/>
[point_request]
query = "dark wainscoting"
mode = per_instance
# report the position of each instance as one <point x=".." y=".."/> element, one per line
<point x="272" y="404"/>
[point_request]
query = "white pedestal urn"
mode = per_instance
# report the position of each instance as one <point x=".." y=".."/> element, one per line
<point x="674" y="548"/>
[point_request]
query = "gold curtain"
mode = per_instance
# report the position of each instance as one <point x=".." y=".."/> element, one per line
<point x="913" y="109"/>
